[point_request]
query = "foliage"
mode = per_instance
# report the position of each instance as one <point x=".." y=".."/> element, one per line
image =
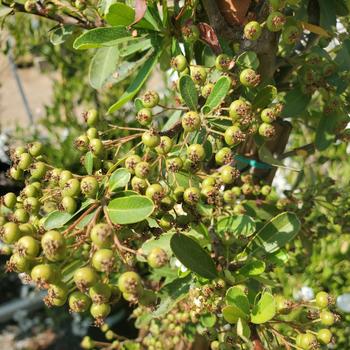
<point x="177" y="214"/>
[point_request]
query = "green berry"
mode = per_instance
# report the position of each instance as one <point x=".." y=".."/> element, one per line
<point x="100" y="293"/>
<point x="224" y="156"/>
<point x="174" y="164"/>
<point x="327" y="318"/>
<point x="192" y="195"/>
<point x="195" y="153"/>
<point x="92" y="117"/>
<point x="150" y="99"/>
<point x="179" y="63"/>
<point x="322" y="299"/>
<point x="10" y="200"/>
<point x="223" y="62"/>
<point x="144" y="116"/>
<point x="198" y="75"/>
<point x="79" y="302"/>
<point x="252" y="30"/>
<point x="38" y="170"/>
<point x="249" y="78"/>
<point x="54" y="245"/>
<point x="103" y="260"/>
<point x="27" y="246"/>
<point x="89" y="186"/>
<point x="267" y="130"/>
<point x="324" y="336"/>
<point x="71" y="188"/>
<point x="228" y="174"/>
<point x="96" y="147"/>
<point x="239" y="109"/>
<point x="268" y="115"/>
<point x="101" y="235"/>
<point x="35" y="148"/>
<point x="150" y="139"/>
<point x="100" y="311"/>
<point x="157" y="258"/>
<point x="275" y="21"/>
<point x="291" y="35"/>
<point x="43" y="273"/>
<point x="155" y="192"/>
<point x="25" y="160"/>
<point x="131" y="161"/>
<point x="129" y="282"/>
<point x="164" y="146"/>
<point x="85" y="277"/>
<point x="190" y="33"/>
<point x="10" y="233"/>
<point x="233" y="135"/>
<point x="191" y="121"/>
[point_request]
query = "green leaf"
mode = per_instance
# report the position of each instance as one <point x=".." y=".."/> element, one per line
<point x="102" y="37"/>
<point x="61" y="34"/>
<point x="328" y="18"/>
<point x="278" y="232"/>
<point x="120" y="14"/>
<point x="137" y="83"/>
<point x="135" y="46"/>
<point x="218" y="94"/>
<point x="172" y="293"/>
<point x="119" y="179"/>
<point x="188" y="92"/>
<point x="243" y="330"/>
<point x="252" y="268"/>
<point x="264" y="310"/>
<point x="89" y="162"/>
<point x="248" y="59"/>
<point x="130" y="209"/>
<point x="266" y="156"/>
<point x="325" y="133"/>
<point x="208" y="320"/>
<point x="57" y="219"/>
<point x="232" y="314"/>
<point x="193" y="256"/>
<point x="295" y="103"/>
<point x="342" y="58"/>
<point x="265" y="96"/>
<point x="102" y="66"/>
<point x="236" y="298"/>
<point x="238" y="225"/>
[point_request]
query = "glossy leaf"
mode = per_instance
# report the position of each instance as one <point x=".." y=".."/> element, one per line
<point x="232" y="314"/>
<point x="102" y="37"/>
<point x="243" y="330"/>
<point x="248" y="59"/>
<point x="137" y="83"/>
<point x="218" y="94"/>
<point x="281" y="230"/>
<point x="130" y="209"/>
<point x="325" y="133"/>
<point x="102" y="66"/>
<point x="265" y="96"/>
<point x="57" y="219"/>
<point x="264" y="310"/>
<point x="119" y="179"/>
<point x="238" y="225"/>
<point x="193" y="256"/>
<point x="236" y="298"/>
<point x="252" y="268"/>
<point x="295" y="103"/>
<point x="188" y="92"/>
<point x="89" y="162"/>
<point x="61" y="34"/>
<point x="120" y="14"/>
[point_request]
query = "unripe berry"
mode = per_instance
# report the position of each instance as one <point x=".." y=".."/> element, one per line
<point x="103" y="260"/>
<point x="223" y="63"/>
<point x="131" y="161"/>
<point x="165" y="145"/>
<point x="69" y="204"/>
<point x="249" y="78"/>
<point x="150" y="99"/>
<point x="224" y="156"/>
<point x="96" y="147"/>
<point x="155" y="192"/>
<point x="64" y="176"/>
<point x="267" y="130"/>
<point x="20" y="215"/>
<point x="192" y="195"/>
<point x="327" y="318"/>
<point x="30" y="191"/>
<point x="129" y="282"/>
<point x="198" y="75"/>
<point x="174" y="164"/>
<point x="54" y="245"/>
<point x="239" y="108"/>
<point x="150" y="139"/>
<point x="57" y="294"/>
<point x="24" y="162"/>
<point x="138" y="184"/>
<point x="35" y="148"/>
<point x="85" y="277"/>
<point x="10" y="200"/>
<point x="10" y="233"/>
<point x="191" y="121"/>
<point x="79" y="302"/>
<point x="252" y="30"/>
<point x="87" y="343"/>
<point x="207" y="89"/>
<point x="38" y="170"/>
<point x="19" y="263"/>
<point x="190" y="33"/>
<point x="71" y="188"/>
<point x="92" y="117"/>
<point x="268" y="115"/>
<point x="101" y="235"/>
<point x="82" y="143"/>
<point x="100" y="293"/>
<point x="27" y="246"/>
<point x="30" y="5"/>
<point x="322" y="299"/>
<point x="276" y="21"/>
<point x="43" y="273"/>
<point x="16" y="174"/>
<point x="157" y="258"/>
<point x="100" y="311"/>
<point x="324" y="336"/>
<point x="195" y="153"/>
<point x="142" y="170"/>
<point x="308" y="341"/>
<point x="89" y="186"/>
<point x="92" y="133"/>
<point x="229" y="174"/>
<point x="179" y="63"/>
<point x="144" y="116"/>
<point x="233" y="135"/>
<point x="265" y="190"/>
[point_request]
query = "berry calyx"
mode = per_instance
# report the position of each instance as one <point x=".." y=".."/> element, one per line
<point x="252" y="30"/>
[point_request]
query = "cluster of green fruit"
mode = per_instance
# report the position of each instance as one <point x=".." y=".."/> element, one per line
<point x="61" y="230"/>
